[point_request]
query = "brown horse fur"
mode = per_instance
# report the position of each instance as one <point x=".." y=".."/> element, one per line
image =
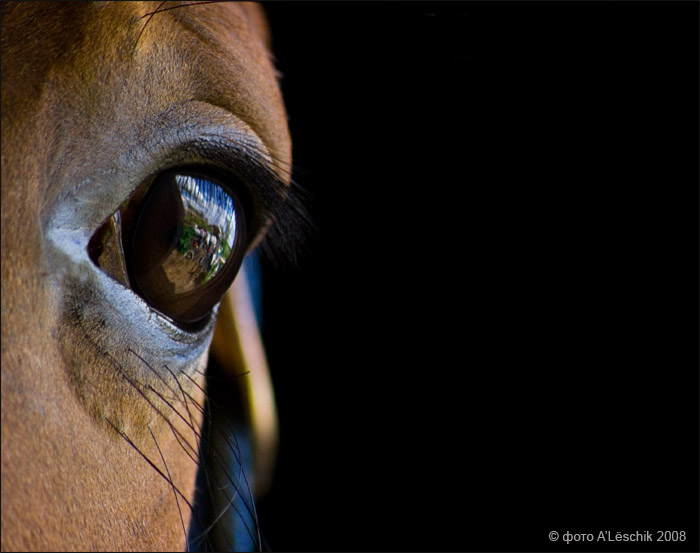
<point x="95" y="98"/>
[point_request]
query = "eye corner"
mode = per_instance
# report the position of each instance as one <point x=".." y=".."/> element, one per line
<point x="106" y="251"/>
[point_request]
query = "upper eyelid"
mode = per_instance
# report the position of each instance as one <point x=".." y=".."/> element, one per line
<point x="190" y="133"/>
<point x="219" y="137"/>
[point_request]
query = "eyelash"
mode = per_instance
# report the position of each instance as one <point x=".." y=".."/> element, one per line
<point x="290" y="227"/>
<point x="285" y="206"/>
<point x="278" y="202"/>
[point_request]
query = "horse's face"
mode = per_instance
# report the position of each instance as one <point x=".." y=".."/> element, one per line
<point x="100" y="392"/>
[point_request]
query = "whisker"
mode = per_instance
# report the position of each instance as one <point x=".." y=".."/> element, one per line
<point x="148" y="400"/>
<point x="148" y="21"/>
<point x="196" y="383"/>
<point x="224" y="475"/>
<point x="206" y="445"/>
<point x="167" y="385"/>
<point x="195" y="402"/>
<point x="189" y="450"/>
<point x="239" y="500"/>
<point x="199" y="461"/>
<point x="189" y="423"/>
<point x="145" y="457"/>
<point x="187" y="406"/>
<point x="170" y="478"/>
<point x="230" y="439"/>
<point x="222" y="513"/>
<point x="231" y="499"/>
<point x="209" y="476"/>
<point x="158" y="10"/>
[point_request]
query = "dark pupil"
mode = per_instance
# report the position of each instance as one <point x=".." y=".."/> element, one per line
<point x="187" y="246"/>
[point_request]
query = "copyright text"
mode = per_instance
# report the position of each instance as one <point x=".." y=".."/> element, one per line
<point x="612" y="536"/>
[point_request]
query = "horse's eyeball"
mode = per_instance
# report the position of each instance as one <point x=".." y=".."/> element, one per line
<point x="178" y="243"/>
<point x="187" y="245"/>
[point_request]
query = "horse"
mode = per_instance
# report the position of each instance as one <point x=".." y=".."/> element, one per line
<point x="136" y="414"/>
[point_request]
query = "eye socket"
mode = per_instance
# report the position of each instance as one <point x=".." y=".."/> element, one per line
<point x="181" y="246"/>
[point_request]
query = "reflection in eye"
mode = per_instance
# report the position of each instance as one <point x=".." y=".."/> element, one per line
<point x="207" y="237"/>
<point x="183" y="246"/>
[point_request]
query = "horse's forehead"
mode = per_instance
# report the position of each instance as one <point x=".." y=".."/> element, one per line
<point x="43" y="32"/>
<point x="131" y="59"/>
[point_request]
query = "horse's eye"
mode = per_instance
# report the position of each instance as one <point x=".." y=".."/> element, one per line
<point x="182" y="244"/>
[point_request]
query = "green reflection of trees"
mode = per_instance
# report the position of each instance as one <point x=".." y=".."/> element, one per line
<point x="186" y="238"/>
<point x="189" y="235"/>
<point x="189" y="223"/>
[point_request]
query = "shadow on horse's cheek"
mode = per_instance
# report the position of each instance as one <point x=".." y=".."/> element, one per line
<point x="128" y="376"/>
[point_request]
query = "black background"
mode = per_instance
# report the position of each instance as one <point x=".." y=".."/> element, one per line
<point x="493" y="333"/>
